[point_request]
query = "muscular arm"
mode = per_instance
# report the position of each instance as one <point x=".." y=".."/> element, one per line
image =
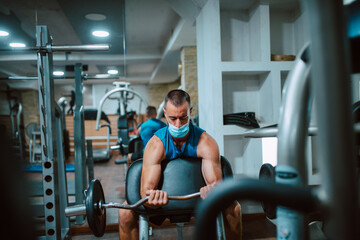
<point x="208" y="150"/>
<point x="151" y="171"/>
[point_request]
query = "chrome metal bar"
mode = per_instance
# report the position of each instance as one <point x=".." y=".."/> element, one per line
<point x="63" y="48"/>
<point x="76" y="210"/>
<point x="100" y="76"/>
<point x="125" y="206"/>
<point x="20" y="78"/>
<point x="80" y="209"/>
<point x="85" y="76"/>
<point x="80" y="48"/>
<point x="272" y="132"/>
<point x="293" y="122"/>
<point x="184" y="197"/>
<point x="143" y="227"/>
<point x="145" y="199"/>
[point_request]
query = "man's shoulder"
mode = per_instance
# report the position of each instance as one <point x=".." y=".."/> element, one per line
<point x="207" y="143"/>
<point x="154" y="149"/>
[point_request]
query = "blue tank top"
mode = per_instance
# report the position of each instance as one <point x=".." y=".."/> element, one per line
<point x="148" y="129"/>
<point x="187" y="150"/>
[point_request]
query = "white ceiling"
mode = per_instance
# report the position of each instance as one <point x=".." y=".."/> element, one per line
<point x="154" y="34"/>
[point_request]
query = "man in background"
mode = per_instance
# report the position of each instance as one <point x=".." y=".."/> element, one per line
<point x="146" y="130"/>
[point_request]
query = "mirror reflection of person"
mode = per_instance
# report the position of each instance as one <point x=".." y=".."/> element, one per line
<point x="146" y="130"/>
<point x="179" y="139"/>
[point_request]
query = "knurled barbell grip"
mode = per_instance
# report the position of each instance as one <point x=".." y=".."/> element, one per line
<point x="79" y="210"/>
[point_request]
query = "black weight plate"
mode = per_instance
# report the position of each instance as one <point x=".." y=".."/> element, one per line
<point x="267" y="173"/>
<point x="96" y="217"/>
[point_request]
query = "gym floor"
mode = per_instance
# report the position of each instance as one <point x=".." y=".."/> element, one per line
<point x="255" y="225"/>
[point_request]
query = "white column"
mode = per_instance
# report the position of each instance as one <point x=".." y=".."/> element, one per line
<point x="209" y="71"/>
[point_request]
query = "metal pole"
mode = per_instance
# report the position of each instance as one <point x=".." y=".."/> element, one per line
<point x="63" y="191"/>
<point x="62" y="48"/>
<point x="331" y="84"/>
<point x="90" y="160"/>
<point x="292" y="136"/>
<point x="143" y="227"/>
<point x="294" y="117"/>
<point x="79" y="141"/>
<point x="48" y="131"/>
<point x="220" y="228"/>
<point x="18" y="130"/>
<point x="271" y="132"/>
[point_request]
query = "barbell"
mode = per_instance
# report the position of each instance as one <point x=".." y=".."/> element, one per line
<point x="95" y="206"/>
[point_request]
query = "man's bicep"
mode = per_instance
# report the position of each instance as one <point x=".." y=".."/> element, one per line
<point x="209" y="152"/>
<point x="151" y="171"/>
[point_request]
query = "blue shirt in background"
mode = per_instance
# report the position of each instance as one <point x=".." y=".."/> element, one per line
<point x="148" y="129"/>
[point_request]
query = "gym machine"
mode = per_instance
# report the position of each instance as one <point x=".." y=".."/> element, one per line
<point x="336" y="198"/>
<point x="54" y="189"/>
<point x="172" y="175"/>
<point x="125" y="94"/>
<point x="99" y="154"/>
<point x="79" y="119"/>
<point x="16" y="135"/>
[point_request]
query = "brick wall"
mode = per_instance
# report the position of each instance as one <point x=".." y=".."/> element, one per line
<point x="189" y="81"/>
<point x="157" y="92"/>
<point x="30" y="106"/>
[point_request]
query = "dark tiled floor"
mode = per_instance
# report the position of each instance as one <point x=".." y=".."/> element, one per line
<point x="255" y="226"/>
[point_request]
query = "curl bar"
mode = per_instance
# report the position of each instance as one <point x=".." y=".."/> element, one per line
<point x="95" y="206"/>
<point x="63" y="48"/>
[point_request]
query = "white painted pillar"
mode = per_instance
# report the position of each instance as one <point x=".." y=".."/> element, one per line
<point x="209" y="71"/>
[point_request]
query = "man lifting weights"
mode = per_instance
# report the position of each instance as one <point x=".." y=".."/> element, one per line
<point x="179" y="139"/>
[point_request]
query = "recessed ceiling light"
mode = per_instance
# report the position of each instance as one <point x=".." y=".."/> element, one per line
<point x="58" y="73"/>
<point x="95" y="17"/>
<point x="347" y="2"/>
<point x="100" y="33"/>
<point x="17" y="45"/>
<point x="3" y="33"/>
<point x="113" y="71"/>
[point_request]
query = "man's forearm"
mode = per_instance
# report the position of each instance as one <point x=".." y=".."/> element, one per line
<point x="150" y="179"/>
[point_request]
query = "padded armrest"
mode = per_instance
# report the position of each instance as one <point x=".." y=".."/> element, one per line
<point x="179" y="177"/>
<point x="135" y="145"/>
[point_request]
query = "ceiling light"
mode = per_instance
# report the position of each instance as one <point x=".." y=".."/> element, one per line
<point x="113" y="71"/>
<point x="100" y="33"/>
<point x="95" y="17"/>
<point x="347" y="2"/>
<point x="3" y="33"/>
<point x="58" y="73"/>
<point x="17" y="45"/>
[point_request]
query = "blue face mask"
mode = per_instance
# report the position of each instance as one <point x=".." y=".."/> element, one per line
<point x="178" y="132"/>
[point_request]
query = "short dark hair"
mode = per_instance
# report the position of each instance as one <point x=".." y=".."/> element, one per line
<point x="151" y="111"/>
<point x="177" y="97"/>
